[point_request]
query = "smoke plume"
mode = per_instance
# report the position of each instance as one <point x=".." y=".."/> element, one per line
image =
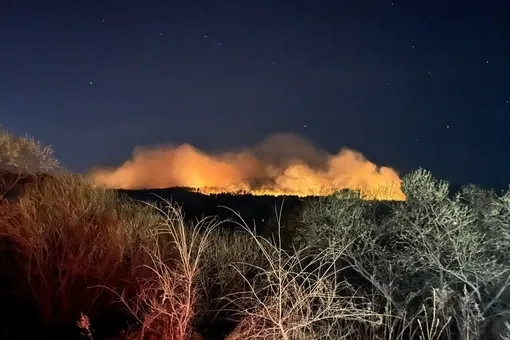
<point x="283" y="164"/>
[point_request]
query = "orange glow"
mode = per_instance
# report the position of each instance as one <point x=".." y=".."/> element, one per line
<point x="282" y="165"/>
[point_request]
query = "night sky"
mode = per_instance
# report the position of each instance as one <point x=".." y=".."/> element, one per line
<point x="407" y="83"/>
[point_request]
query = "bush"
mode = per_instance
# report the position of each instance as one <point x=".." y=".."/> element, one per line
<point x="25" y="155"/>
<point x="66" y="246"/>
<point x="296" y="296"/>
<point x="219" y="277"/>
<point x="458" y="246"/>
<point x="65" y="240"/>
<point x="431" y="255"/>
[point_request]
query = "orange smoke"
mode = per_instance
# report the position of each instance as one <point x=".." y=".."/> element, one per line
<point x="282" y="165"/>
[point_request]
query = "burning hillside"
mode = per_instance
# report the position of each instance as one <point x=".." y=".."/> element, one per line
<point x="281" y="165"/>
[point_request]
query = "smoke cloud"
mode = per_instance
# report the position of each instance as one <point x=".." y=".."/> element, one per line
<point x="283" y="164"/>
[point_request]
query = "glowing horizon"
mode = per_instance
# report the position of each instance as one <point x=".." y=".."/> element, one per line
<point x="283" y="164"/>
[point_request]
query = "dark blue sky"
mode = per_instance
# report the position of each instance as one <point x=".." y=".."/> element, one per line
<point x="407" y="83"/>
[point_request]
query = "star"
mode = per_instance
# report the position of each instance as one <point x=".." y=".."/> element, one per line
<point x="304" y="125"/>
<point x="160" y="33"/>
<point x="90" y="83"/>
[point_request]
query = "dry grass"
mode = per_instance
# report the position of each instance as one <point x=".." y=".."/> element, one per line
<point x="73" y="249"/>
<point x="167" y="304"/>
<point x="297" y="297"/>
<point x="219" y="278"/>
<point x="62" y="238"/>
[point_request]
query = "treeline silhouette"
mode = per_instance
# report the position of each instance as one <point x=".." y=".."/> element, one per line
<point x="196" y="205"/>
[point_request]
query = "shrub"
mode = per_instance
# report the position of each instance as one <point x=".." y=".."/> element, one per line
<point x="25" y="155"/>
<point x="219" y="278"/>
<point x="433" y="254"/>
<point x="458" y="246"/>
<point x="296" y="296"/>
<point x="66" y="239"/>
<point x="63" y="240"/>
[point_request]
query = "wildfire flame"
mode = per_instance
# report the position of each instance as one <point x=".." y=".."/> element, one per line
<point x="282" y="165"/>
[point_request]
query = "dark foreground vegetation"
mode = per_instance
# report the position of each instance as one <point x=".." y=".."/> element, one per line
<point x="83" y="262"/>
